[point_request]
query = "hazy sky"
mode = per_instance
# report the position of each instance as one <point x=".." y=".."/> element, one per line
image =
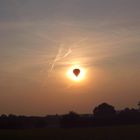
<point x="41" y="39"/>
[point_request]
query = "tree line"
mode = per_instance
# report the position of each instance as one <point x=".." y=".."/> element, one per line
<point x="103" y="115"/>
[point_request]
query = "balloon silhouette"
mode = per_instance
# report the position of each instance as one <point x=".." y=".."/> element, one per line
<point x="76" y="72"/>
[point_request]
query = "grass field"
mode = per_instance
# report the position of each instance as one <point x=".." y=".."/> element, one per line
<point x="99" y="133"/>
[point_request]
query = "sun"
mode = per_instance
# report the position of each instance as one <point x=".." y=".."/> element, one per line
<point x="73" y="77"/>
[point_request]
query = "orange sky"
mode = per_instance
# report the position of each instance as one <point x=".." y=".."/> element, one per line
<point x="41" y="40"/>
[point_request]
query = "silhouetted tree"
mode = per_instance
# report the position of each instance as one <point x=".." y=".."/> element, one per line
<point x="104" y="110"/>
<point x="3" y="116"/>
<point x="12" y="116"/>
<point x="127" y="112"/>
<point x="71" y="116"/>
<point x="70" y="120"/>
<point x="139" y="105"/>
<point x="129" y="116"/>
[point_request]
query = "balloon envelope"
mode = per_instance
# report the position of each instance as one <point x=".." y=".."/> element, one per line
<point x="76" y="72"/>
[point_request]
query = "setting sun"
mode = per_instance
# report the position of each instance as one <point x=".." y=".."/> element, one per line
<point x="79" y="77"/>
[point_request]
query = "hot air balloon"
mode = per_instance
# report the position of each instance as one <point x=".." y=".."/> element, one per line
<point x="76" y="72"/>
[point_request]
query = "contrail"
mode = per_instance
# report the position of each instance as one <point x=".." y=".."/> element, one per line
<point x="68" y="52"/>
<point x="57" y="58"/>
<point x="60" y="54"/>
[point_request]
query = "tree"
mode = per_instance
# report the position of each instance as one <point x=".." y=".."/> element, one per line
<point x="3" y="116"/>
<point x="70" y="119"/>
<point x="71" y="116"/>
<point x="139" y="105"/>
<point x="104" y="110"/>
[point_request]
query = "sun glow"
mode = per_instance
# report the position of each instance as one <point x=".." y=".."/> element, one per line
<point x="73" y="77"/>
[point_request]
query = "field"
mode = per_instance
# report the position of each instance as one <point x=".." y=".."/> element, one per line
<point x="99" y="133"/>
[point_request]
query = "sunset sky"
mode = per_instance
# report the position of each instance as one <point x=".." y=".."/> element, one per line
<point x="41" y="40"/>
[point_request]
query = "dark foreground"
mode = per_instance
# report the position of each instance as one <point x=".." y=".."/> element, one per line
<point x="131" y="132"/>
